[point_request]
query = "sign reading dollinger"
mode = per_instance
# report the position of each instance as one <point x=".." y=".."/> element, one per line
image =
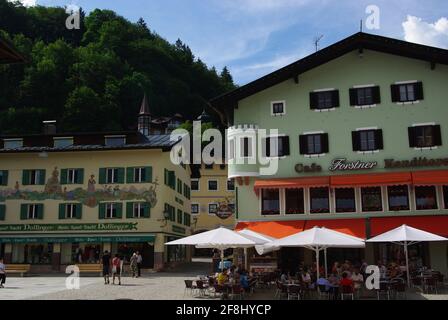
<point x="68" y="227"/>
<point x="343" y="165"/>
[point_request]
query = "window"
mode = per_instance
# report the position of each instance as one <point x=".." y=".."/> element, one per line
<point x="212" y="185"/>
<point x="425" y="136"/>
<point x="179" y="216"/>
<point x="278" y="108"/>
<point x="371" y="199"/>
<point x="246" y="147"/>
<point x="212" y="208"/>
<point x="398" y="198"/>
<point x="324" y="99"/>
<point x="312" y="144"/>
<point x="231" y="149"/>
<point x="319" y="200"/>
<point x="187" y="191"/>
<point x="187" y="219"/>
<point x="294" y="200"/>
<point x="179" y="186"/>
<point x="407" y="92"/>
<point x="111" y="211"/>
<point x="138" y="210"/>
<point x="365" y="96"/>
<point x="33" y="177"/>
<point x="2" y="212"/>
<point x="426" y="197"/>
<point x="345" y="200"/>
<point x="367" y="140"/>
<point x="112" y="175"/>
<point x="276" y="146"/>
<point x="139" y="175"/>
<point x="115" y="141"/>
<point x="195" y="184"/>
<point x="230" y="184"/>
<point x="70" y="211"/>
<point x="270" y="202"/>
<point x="445" y="197"/>
<point x="31" y="211"/>
<point x="13" y="143"/>
<point x="3" y="177"/>
<point x="170" y="179"/>
<point x="72" y="176"/>
<point x="171" y="212"/>
<point x="194" y="208"/>
<point x="62" y="142"/>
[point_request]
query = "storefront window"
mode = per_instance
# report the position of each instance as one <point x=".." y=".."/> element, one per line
<point x="345" y="200"/>
<point x="270" y="202"/>
<point x="426" y="198"/>
<point x="371" y="199"/>
<point x="38" y="253"/>
<point x="319" y="200"/>
<point x="398" y="198"/>
<point x="86" y="253"/>
<point x="126" y="250"/>
<point x="294" y="201"/>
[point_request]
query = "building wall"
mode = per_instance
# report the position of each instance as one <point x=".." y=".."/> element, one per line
<point x="342" y="74"/>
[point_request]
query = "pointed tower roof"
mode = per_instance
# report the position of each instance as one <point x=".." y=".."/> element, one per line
<point x="144" y="109"/>
<point x="204" y="117"/>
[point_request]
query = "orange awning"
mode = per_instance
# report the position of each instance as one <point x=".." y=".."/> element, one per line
<point x="353" y="227"/>
<point x="373" y="179"/>
<point x="437" y="177"/>
<point x="276" y="229"/>
<point x="434" y="224"/>
<point x="292" y="183"/>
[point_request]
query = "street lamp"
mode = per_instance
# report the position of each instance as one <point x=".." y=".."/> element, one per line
<point x="166" y="216"/>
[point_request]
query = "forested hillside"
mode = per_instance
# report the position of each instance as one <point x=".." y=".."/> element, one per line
<point x="94" y="78"/>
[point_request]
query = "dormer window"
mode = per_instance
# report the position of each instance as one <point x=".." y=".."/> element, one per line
<point x="62" y="142"/>
<point x="13" y="143"/>
<point x="115" y="141"/>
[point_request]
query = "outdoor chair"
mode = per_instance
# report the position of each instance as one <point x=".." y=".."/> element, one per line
<point x="399" y="287"/>
<point x="281" y="290"/>
<point x="189" y="287"/>
<point x="201" y="287"/>
<point x="347" y="291"/>
<point x="323" y="292"/>
<point x="237" y="291"/>
<point x="384" y="289"/>
<point x="294" y="292"/>
<point x="431" y="285"/>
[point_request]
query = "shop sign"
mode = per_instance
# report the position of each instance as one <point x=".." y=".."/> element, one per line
<point x="179" y="229"/>
<point x="68" y="227"/>
<point x="225" y="209"/>
<point x="343" y="165"/>
<point x="416" y="162"/>
<point x="94" y="239"/>
<point x="301" y="168"/>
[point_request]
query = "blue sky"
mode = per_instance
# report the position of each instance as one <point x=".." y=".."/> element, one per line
<point x="255" y="37"/>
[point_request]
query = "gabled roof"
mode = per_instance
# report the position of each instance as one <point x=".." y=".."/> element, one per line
<point x="358" y="41"/>
<point x="8" y="54"/>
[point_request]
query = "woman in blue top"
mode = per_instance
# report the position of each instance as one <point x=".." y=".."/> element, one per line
<point x="244" y="280"/>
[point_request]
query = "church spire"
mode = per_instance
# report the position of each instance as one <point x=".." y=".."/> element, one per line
<point x="144" y="117"/>
<point x="144" y="108"/>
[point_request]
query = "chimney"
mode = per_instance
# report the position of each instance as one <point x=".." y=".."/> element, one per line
<point x="49" y="127"/>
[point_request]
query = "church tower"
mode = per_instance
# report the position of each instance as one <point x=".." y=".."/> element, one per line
<point x="144" y="117"/>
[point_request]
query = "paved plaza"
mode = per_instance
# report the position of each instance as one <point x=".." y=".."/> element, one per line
<point x="153" y="286"/>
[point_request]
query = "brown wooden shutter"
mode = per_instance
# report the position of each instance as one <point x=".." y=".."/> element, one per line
<point x="395" y="92"/>
<point x="412" y="138"/>
<point x="356" y="141"/>
<point x="437" y="135"/>
<point x="353" y="97"/>
<point x="303" y="144"/>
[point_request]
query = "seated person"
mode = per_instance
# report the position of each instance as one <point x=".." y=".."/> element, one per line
<point x="284" y="278"/>
<point x="222" y="277"/>
<point x="306" y="277"/>
<point x="336" y="268"/>
<point x="346" y="281"/>
<point x="357" y="279"/>
<point x="334" y="279"/>
<point x="323" y="282"/>
<point x="244" y="281"/>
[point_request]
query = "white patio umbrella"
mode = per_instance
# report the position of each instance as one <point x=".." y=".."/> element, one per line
<point x="220" y="238"/>
<point x="259" y="238"/>
<point x="319" y="239"/>
<point x="406" y="236"/>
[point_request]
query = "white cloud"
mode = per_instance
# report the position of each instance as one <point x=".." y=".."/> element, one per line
<point x="432" y="34"/>
<point x="26" y="3"/>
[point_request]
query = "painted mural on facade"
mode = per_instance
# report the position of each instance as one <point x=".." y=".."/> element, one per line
<point x="90" y="197"/>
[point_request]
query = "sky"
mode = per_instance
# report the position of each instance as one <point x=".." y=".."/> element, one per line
<point x="255" y="37"/>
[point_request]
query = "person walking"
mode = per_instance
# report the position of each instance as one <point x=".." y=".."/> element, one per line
<point x="139" y="263"/>
<point x="133" y="264"/>
<point x="116" y="269"/>
<point x="2" y="273"/>
<point x="106" y="266"/>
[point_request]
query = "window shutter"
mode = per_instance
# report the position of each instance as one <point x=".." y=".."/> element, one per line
<point x="325" y="144"/>
<point x="26" y="177"/>
<point x="379" y="144"/>
<point x="172" y="180"/>
<point x="102" y="176"/>
<point x="335" y="98"/>
<point x="412" y="139"/>
<point x="166" y="176"/>
<point x="437" y="135"/>
<point x="79" y="211"/>
<point x="353" y="97"/>
<point x="376" y="94"/>
<point x="61" y="211"/>
<point x="148" y="174"/>
<point x="41" y="177"/>
<point x="119" y="208"/>
<point x="102" y="210"/>
<point x="303" y="144"/>
<point x="285" y="142"/>
<point x="23" y="212"/>
<point x="120" y="175"/>
<point x="80" y="177"/>
<point x="418" y="89"/>
<point x="40" y="211"/>
<point x="356" y="141"/>
<point x="146" y="210"/>
<point x="130" y="175"/>
<point x="395" y="92"/>
<point x="313" y="100"/>
<point x="266" y="147"/>
<point x="64" y="176"/>
<point x="130" y="210"/>
<point x="2" y="212"/>
<point x="4" y="181"/>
